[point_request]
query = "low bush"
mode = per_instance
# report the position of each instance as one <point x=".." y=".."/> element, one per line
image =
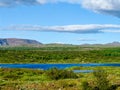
<point x="56" y="74"/>
<point x="101" y="82"/>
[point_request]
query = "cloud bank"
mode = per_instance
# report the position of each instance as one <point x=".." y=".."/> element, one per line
<point x="111" y="7"/>
<point x="90" y="28"/>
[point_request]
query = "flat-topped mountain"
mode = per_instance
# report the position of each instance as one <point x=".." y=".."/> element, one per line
<point x="17" y="42"/>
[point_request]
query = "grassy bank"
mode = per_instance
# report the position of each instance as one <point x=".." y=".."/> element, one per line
<point x="28" y="79"/>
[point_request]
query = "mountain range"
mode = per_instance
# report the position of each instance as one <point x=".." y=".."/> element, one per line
<point x="21" y="42"/>
<point x="115" y="43"/>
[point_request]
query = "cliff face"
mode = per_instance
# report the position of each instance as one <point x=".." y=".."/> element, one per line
<point x="17" y="42"/>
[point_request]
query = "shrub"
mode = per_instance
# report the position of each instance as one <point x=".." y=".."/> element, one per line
<point x="101" y="80"/>
<point x="102" y="83"/>
<point x="86" y="86"/>
<point x="56" y="74"/>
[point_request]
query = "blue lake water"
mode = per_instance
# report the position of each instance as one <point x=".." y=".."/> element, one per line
<point x="83" y="71"/>
<point x="47" y="66"/>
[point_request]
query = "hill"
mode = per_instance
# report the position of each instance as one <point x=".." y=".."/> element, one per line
<point x="17" y="42"/>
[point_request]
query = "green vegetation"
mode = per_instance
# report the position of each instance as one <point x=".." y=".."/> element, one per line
<point x="57" y="79"/>
<point x="29" y="79"/>
<point x="59" y="55"/>
<point x="101" y="82"/>
<point x="56" y="74"/>
<point x="18" y="77"/>
<point x="49" y="48"/>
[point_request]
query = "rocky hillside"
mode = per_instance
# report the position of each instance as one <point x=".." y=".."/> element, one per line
<point x="17" y="42"/>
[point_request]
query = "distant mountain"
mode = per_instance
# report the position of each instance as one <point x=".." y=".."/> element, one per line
<point x="113" y="44"/>
<point x="17" y="42"/>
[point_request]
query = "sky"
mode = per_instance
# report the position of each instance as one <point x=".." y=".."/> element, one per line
<point x="61" y="21"/>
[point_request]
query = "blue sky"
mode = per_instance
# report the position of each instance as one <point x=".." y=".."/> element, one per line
<point x="61" y="21"/>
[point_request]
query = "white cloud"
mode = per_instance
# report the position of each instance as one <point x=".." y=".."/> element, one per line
<point x="6" y="3"/>
<point x="112" y="31"/>
<point x="111" y="7"/>
<point x="86" y="39"/>
<point x="90" y="28"/>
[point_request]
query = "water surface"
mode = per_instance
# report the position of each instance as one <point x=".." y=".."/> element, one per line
<point x="48" y="66"/>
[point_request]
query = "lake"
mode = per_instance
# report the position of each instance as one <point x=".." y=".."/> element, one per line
<point x="47" y="66"/>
